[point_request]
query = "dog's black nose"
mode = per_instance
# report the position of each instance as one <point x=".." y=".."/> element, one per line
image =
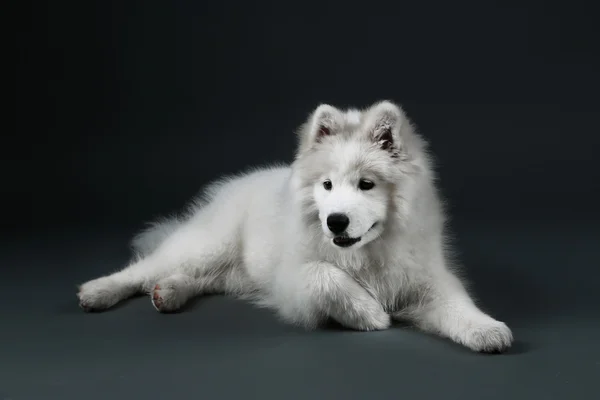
<point x="337" y="223"/>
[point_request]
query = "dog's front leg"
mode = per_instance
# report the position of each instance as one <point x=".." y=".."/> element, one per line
<point x="449" y="311"/>
<point x="318" y="290"/>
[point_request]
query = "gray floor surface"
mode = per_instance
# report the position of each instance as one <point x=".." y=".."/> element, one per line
<point x="541" y="279"/>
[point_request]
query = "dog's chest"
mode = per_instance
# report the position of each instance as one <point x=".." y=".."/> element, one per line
<point x="385" y="284"/>
<point x="383" y="281"/>
<point x="392" y="280"/>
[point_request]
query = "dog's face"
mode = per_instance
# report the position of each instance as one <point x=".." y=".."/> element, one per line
<point x="351" y="198"/>
<point x="348" y="163"/>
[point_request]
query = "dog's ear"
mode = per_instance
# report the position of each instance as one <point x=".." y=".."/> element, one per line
<point x="383" y="123"/>
<point x="324" y="121"/>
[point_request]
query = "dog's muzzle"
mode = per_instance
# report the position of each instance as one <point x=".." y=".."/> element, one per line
<point x="344" y="241"/>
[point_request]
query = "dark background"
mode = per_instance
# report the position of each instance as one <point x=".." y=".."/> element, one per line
<point x="125" y="109"/>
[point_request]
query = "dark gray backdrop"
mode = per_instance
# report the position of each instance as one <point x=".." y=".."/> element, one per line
<point x="126" y="108"/>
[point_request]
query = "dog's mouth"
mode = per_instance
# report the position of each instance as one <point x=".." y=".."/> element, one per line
<point x="345" y="241"/>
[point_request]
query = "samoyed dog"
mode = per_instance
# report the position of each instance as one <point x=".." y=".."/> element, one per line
<point x="352" y="230"/>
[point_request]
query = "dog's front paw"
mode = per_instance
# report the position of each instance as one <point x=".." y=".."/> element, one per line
<point x="376" y="322"/>
<point x="98" y="294"/>
<point x="488" y="337"/>
<point x="374" y="319"/>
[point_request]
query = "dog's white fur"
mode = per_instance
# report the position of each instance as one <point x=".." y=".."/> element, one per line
<point x="264" y="236"/>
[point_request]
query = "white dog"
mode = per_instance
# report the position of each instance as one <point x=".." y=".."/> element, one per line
<point x="352" y="230"/>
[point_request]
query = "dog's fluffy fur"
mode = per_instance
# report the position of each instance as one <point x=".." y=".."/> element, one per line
<point x="268" y="236"/>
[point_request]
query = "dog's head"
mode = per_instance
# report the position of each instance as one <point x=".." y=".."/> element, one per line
<point x="349" y="167"/>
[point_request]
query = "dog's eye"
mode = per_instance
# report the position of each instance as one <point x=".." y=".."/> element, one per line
<point x="327" y="185"/>
<point x="364" y="184"/>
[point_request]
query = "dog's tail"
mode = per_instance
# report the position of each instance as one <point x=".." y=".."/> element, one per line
<point x="150" y="238"/>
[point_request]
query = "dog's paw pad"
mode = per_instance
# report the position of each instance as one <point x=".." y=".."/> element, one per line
<point x="169" y="294"/>
<point x="157" y="300"/>
<point x="164" y="299"/>
<point x="85" y="306"/>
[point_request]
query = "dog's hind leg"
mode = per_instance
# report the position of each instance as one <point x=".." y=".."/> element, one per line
<point x="192" y="260"/>
<point x="171" y="293"/>
<point x="106" y="291"/>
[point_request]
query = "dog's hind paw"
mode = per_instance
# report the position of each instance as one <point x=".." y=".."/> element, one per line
<point x="169" y="294"/>
<point x="98" y="294"/>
